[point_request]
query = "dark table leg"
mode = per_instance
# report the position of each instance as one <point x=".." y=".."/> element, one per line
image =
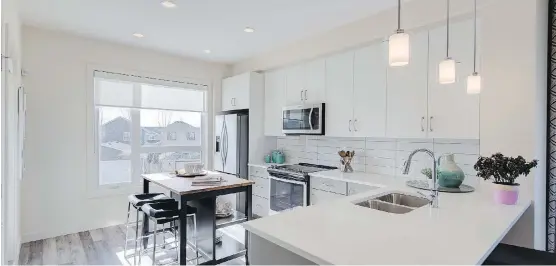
<point x="183" y="231"/>
<point x="249" y="215"/>
<point x="145" y="229"/>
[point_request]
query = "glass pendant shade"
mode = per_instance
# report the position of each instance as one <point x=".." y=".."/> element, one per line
<point x="474" y="84"/>
<point x="398" y="50"/>
<point x="447" y="71"/>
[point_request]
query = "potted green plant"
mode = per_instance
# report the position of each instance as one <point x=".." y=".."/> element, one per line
<point x="504" y="171"/>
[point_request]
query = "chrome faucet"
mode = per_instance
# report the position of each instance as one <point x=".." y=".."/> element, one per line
<point x="433" y="198"/>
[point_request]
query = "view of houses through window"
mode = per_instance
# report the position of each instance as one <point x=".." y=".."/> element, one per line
<point x="144" y="140"/>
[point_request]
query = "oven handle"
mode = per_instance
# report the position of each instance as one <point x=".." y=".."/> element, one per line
<point x="287" y="180"/>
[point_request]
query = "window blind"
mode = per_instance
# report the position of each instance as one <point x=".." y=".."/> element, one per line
<point x="119" y="90"/>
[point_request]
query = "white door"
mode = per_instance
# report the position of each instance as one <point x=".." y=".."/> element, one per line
<point x="369" y="91"/>
<point x="339" y="93"/>
<point x="407" y="93"/>
<point x="452" y="112"/>
<point x="275" y="96"/>
<point x="315" y="81"/>
<point x="218" y="162"/>
<point x="241" y="91"/>
<point x="295" y="85"/>
<point x="231" y="141"/>
<point x="228" y="85"/>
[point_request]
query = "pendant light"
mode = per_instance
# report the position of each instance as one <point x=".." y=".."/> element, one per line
<point x="474" y="81"/>
<point x="398" y="45"/>
<point x="447" y="68"/>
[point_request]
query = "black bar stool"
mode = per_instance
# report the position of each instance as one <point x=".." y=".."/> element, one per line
<point x="137" y="201"/>
<point x="167" y="213"/>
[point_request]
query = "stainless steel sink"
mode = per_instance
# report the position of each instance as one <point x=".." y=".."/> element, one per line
<point x="404" y="200"/>
<point x="395" y="203"/>
<point x="383" y="206"/>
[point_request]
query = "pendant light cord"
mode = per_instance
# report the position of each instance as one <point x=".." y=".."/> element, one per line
<point x="475" y="40"/>
<point x="399" y="15"/>
<point x="447" y="28"/>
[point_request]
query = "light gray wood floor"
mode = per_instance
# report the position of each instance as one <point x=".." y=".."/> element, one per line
<point x="104" y="246"/>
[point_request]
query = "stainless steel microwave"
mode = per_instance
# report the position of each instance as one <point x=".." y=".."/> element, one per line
<point x="307" y="119"/>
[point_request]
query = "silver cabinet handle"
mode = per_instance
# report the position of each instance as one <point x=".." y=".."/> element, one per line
<point x="430" y="123"/>
<point x="232" y="101"/>
<point x="301" y="95"/>
<point x="349" y="125"/>
<point x="305" y="95"/>
<point x="422" y="126"/>
<point x="355" y="125"/>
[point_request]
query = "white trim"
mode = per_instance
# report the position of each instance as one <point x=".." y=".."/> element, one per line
<point x="93" y="188"/>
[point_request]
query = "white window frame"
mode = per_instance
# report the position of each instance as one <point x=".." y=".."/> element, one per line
<point x="93" y="188"/>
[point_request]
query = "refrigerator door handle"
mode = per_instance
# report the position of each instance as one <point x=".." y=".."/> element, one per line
<point x="225" y="143"/>
<point x="311" y="118"/>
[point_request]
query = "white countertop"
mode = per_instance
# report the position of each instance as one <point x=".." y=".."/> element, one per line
<point x="463" y="230"/>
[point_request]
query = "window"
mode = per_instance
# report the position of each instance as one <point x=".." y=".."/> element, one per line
<point x="171" y="136"/>
<point x="126" y="136"/>
<point x="138" y="122"/>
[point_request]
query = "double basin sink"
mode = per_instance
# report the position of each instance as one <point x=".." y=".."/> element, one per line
<point x="396" y="203"/>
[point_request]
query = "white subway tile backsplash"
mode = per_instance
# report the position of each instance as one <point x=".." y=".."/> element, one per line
<point x="379" y="155"/>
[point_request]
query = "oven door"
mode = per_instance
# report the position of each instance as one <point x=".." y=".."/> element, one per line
<point x="286" y="194"/>
<point x="303" y="120"/>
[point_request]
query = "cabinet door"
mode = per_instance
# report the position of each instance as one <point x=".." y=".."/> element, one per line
<point x="295" y="85"/>
<point x="315" y="81"/>
<point x="275" y="94"/>
<point x="369" y="91"/>
<point x="228" y="94"/>
<point x="242" y="86"/>
<point x="452" y="112"/>
<point x="407" y="93"/>
<point x="320" y="197"/>
<point x="339" y="94"/>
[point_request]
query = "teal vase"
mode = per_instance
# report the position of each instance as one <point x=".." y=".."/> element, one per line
<point x="450" y="174"/>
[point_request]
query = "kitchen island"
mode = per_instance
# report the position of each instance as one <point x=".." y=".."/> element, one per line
<point x="463" y="230"/>
<point x="203" y="198"/>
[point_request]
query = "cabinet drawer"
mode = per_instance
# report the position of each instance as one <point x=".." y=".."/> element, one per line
<point x="338" y="187"/>
<point x="260" y="188"/>
<point x="358" y="188"/>
<point x="319" y="196"/>
<point x="260" y="206"/>
<point x="258" y="171"/>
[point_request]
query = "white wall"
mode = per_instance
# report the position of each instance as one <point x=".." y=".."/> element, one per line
<point x="513" y="101"/>
<point x="11" y="162"/>
<point x="513" y="39"/>
<point x="55" y="200"/>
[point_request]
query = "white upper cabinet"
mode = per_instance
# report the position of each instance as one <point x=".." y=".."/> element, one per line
<point x="305" y="83"/>
<point x="339" y="94"/>
<point x="452" y="112"/>
<point x="295" y="85"/>
<point x="235" y="91"/>
<point x="275" y="98"/>
<point x="315" y="88"/>
<point x="369" y="91"/>
<point x="407" y="93"/>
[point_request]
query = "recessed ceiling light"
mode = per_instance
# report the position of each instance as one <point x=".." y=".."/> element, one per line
<point x="249" y="30"/>
<point x="207" y="51"/>
<point x="168" y="4"/>
<point x="138" y="35"/>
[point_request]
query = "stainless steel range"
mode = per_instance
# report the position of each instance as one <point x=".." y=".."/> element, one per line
<point x="289" y="185"/>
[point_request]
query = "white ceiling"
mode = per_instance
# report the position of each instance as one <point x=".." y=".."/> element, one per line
<point x="196" y="25"/>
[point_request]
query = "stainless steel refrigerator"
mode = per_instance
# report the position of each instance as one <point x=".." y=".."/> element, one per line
<point x="231" y="146"/>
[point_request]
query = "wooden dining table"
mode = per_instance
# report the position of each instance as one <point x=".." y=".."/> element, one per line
<point x="203" y="198"/>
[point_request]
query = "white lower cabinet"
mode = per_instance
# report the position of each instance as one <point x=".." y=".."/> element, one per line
<point x="319" y="196"/>
<point x="260" y="206"/>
